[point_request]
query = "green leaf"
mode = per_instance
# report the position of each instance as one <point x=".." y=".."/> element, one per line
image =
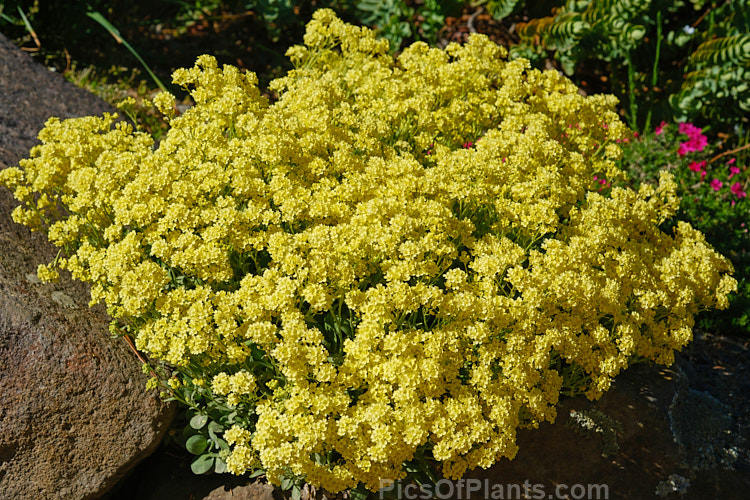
<point x="223" y="445"/>
<point x="215" y="427"/>
<point x="198" y="421"/>
<point x="500" y="9"/>
<point x="296" y="492"/>
<point x="358" y="493"/>
<point x="196" y="444"/>
<point x="257" y="473"/>
<point x="220" y="467"/>
<point x="286" y="483"/>
<point x="202" y="464"/>
<point x="116" y="35"/>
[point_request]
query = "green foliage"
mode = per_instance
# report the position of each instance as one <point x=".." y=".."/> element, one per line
<point x="499" y="8"/>
<point x="201" y="438"/>
<point x="664" y="58"/>
<point x="96" y="16"/>
<point x="608" y="28"/>
<point x="398" y="21"/>
<point x="730" y="49"/>
<point x="717" y="88"/>
<point x="390" y="17"/>
<point x="203" y="418"/>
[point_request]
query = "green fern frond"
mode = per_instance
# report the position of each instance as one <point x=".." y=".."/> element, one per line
<point x="532" y="32"/>
<point x="730" y="49"/>
<point x="569" y="26"/>
<point x="500" y="9"/>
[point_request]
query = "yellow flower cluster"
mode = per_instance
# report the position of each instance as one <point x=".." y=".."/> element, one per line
<point x="396" y="256"/>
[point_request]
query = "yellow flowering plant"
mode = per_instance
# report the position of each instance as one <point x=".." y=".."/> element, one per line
<point x="398" y="262"/>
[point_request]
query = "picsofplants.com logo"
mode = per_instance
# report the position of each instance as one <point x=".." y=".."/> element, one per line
<point x="476" y="489"/>
<point x="392" y="265"/>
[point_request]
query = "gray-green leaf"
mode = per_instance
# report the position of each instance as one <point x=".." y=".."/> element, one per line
<point x="214" y="428"/>
<point x="220" y="467"/>
<point x="196" y="444"/>
<point x="202" y="464"/>
<point x="198" y="421"/>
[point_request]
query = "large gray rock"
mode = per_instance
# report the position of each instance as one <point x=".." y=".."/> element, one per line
<point x="74" y="414"/>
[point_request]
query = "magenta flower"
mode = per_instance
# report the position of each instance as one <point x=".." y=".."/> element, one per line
<point x="699" y="142"/>
<point x="716" y="184"/>
<point x="733" y="171"/>
<point x="660" y="128"/>
<point x="697" y="166"/>
<point x="737" y="190"/>
<point x="467" y="145"/>
<point x="703" y="175"/>
<point x="696" y="141"/>
<point x="689" y="129"/>
<point x="693" y="144"/>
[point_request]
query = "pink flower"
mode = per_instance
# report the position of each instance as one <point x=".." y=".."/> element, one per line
<point x="660" y="128"/>
<point x="689" y="129"/>
<point x="730" y="162"/>
<point x="703" y="175"/>
<point x="697" y="166"/>
<point x="699" y="142"/>
<point x="693" y="144"/>
<point x="716" y="184"/>
<point x="696" y="141"/>
<point x="737" y="190"/>
<point x="467" y="145"/>
<point x="733" y="171"/>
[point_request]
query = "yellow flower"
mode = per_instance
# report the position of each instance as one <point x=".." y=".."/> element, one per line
<point x="47" y="273"/>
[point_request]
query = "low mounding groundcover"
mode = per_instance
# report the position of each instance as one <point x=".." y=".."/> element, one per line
<point x="397" y="262"/>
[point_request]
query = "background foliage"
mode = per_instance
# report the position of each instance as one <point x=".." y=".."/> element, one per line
<point x="686" y="60"/>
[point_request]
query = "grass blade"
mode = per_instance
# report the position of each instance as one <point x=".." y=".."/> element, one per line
<point x="29" y="28"/>
<point x="96" y="16"/>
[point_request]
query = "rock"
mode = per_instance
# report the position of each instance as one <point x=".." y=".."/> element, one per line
<point x="253" y="491"/>
<point x="74" y="417"/>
